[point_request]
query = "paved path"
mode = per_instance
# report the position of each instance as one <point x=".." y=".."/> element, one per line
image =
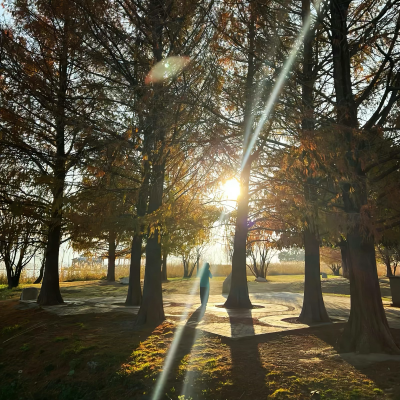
<point x="277" y="312"/>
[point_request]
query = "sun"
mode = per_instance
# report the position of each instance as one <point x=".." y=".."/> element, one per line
<point x="231" y="189"/>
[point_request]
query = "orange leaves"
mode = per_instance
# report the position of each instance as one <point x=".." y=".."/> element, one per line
<point x="97" y="172"/>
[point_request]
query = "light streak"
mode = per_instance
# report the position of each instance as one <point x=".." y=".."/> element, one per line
<point x="278" y="85"/>
<point x="160" y="384"/>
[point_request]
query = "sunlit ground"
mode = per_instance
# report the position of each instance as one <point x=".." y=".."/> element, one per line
<point x="102" y="356"/>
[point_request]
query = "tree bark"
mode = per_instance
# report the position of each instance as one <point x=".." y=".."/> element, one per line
<point x="313" y="310"/>
<point x="13" y="279"/>
<point x="239" y="293"/>
<point x="345" y="259"/>
<point x="388" y="268"/>
<point x="111" y="257"/>
<point x="238" y="296"/>
<point x="367" y="330"/>
<point x="151" y="310"/>
<point x="50" y="291"/>
<point x="134" y="296"/>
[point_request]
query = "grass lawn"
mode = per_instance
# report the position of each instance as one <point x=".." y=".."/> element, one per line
<point x="102" y="356"/>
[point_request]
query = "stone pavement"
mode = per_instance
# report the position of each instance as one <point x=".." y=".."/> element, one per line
<point x="277" y="312"/>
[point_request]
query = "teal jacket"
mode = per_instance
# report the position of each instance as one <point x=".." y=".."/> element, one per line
<point x="205" y="274"/>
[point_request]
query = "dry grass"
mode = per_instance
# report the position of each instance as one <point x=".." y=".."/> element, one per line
<point x="94" y="271"/>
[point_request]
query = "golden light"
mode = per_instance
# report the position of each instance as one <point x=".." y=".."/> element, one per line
<point x="231" y="189"/>
<point x="167" y="69"/>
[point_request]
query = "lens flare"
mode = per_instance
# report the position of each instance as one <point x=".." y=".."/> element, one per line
<point x="160" y="384"/>
<point x="167" y="69"/>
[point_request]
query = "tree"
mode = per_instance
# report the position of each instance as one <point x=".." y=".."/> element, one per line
<point x="47" y="104"/>
<point x="367" y="329"/>
<point x="248" y="57"/>
<point x="260" y="251"/>
<point x="19" y="241"/>
<point x="333" y="258"/>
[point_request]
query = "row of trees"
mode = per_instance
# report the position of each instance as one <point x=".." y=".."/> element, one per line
<point x="120" y="118"/>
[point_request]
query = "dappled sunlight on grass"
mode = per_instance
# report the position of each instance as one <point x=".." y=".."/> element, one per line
<point x="149" y="356"/>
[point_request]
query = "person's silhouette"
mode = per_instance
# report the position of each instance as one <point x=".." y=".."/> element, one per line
<point x="205" y="276"/>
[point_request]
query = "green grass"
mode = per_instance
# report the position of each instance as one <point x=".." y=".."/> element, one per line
<point x="9" y="329"/>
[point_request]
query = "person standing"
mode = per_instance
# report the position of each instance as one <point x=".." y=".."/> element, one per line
<point x="205" y="276"/>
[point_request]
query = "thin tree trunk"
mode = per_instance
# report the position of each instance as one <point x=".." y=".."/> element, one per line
<point x="40" y="277"/>
<point x="134" y="296"/>
<point x="313" y="303"/>
<point x="345" y="259"/>
<point x="388" y="268"/>
<point x="111" y="257"/>
<point x="164" y="267"/>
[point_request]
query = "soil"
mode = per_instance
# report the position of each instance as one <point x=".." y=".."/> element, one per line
<point x="103" y="356"/>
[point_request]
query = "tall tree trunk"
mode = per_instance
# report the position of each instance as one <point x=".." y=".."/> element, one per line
<point x="367" y="329"/>
<point x="313" y="303"/>
<point x="164" y="266"/>
<point x="50" y="291"/>
<point x="111" y="257"/>
<point x="239" y="293"/>
<point x="134" y="296"/>
<point x="151" y="310"/>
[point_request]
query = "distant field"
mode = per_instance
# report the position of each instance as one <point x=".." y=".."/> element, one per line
<point x="88" y="271"/>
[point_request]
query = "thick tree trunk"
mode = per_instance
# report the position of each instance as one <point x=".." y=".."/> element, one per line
<point x="239" y="293"/>
<point x="13" y="279"/>
<point x="313" y="310"/>
<point x="50" y="291"/>
<point x="164" y="267"/>
<point x="367" y="330"/>
<point x="111" y="257"/>
<point x="151" y="310"/>
<point x="134" y="296"/>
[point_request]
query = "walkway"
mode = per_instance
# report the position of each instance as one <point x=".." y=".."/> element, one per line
<point x="277" y="312"/>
